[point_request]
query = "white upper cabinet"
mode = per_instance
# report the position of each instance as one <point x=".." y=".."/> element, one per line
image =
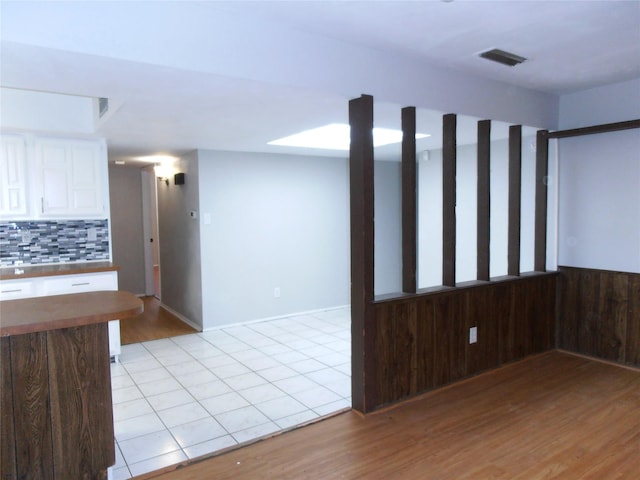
<point x="53" y="178"/>
<point x="13" y="188"/>
<point x="71" y="180"/>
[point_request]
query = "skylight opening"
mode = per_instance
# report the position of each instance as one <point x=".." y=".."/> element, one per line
<point x="336" y="136"/>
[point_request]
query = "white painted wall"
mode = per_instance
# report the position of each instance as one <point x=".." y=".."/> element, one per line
<point x="276" y="221"/>
<point x="46" y="112"/>
<point x="430" y="212"/>
<point x="180" y="262"/>
<point x="599" y="190"/>
<point x="387" y="181"/>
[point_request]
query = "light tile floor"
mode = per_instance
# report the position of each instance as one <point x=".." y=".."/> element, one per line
<point x="179" y="398"/>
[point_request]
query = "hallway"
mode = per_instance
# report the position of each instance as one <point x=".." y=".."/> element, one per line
<point x="182" y="397"/>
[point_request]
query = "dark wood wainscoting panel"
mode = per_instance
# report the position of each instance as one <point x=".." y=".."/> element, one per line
<point x="404" y="349"/>
<point x="632" y="347"/>
<point x="7" y="427"/>
<point x="34" y="456"/>
<point x="423" y="340"/>
<point x="599" y="314"/>
<point x="483" y="308"/>
<point x="77" y="359"/>
<point x="450" y="313"/>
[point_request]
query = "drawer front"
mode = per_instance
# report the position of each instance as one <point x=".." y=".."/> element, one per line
<point x="80" y="283"/>
<point x="15" y="289"/>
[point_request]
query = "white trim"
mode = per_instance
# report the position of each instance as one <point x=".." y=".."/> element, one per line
<point x="181" y="317"/>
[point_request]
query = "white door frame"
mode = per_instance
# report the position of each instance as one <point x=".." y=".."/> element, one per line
<point x="149" y="227"/>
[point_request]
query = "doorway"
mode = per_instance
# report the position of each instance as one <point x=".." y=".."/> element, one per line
<point x="152" y="268"/>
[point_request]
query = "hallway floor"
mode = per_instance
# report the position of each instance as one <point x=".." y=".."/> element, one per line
<point x="180" y="398"/>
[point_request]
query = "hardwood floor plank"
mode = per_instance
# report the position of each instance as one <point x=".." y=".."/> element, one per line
<point x="152" y="324"/>
<point x="553" y="415"/>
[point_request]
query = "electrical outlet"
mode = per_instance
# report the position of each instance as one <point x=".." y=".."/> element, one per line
<point x="92" y="234"/>
<point x="276" y="292"/>
<point x="25" y="235"/>
<point x="473" y="335"/>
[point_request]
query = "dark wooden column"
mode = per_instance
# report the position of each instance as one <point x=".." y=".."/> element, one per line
<point x="513" y="228"/>
<point x="449" y="200"/>
<point x="542" y="172"/>
<point x="363" y="326"/>
<point x="484" y="199"/>
<point x="409" y="236"/>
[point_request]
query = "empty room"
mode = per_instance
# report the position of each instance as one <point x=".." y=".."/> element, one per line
<point x="394" y="239"/>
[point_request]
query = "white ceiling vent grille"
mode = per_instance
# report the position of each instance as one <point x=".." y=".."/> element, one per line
<point x="500" y="56"/>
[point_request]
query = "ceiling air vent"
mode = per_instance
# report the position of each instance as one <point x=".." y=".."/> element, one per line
<point x="103" y="106"/>
<point x="500" y="56"/>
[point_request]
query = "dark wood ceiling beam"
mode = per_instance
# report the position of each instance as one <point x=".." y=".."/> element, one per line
<point x="607" y="127"/>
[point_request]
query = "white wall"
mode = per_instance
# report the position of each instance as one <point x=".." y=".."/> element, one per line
<point x="599" y="202"/>
<point x="276" y="221"/>
<point x="387" y="227"/>
<point x="180" y="263"/>
<point x="430" y="212"/>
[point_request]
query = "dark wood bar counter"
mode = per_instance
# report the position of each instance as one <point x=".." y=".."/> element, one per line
<point x="55" y="383"/>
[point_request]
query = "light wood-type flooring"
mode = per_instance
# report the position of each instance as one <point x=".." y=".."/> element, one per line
<point x="552" y="416"/>
<point x="152" y="324"/>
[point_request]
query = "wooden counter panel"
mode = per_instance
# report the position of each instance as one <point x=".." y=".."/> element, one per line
<point x="76" y="358"/>
<point x="32" y="271"/>
<point x="8" y="442"/>
<point x="31" y="407"/>
<point x="39" y="314"/>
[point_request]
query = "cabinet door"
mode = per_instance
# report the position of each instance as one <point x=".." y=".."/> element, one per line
<point x="71" y="177"/>
<point x="12" y="176"/>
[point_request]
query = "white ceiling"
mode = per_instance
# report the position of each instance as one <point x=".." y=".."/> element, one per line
<point x="71" y="48"/>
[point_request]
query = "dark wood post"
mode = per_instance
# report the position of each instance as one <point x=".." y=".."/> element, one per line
<point x="409" y="236"/>
<point x="542" y="172"/>
<point x="363" y="327"/>
<point x="484" y="199"/>
<point x="449" y="200"/>
<point x="515" y="168"/>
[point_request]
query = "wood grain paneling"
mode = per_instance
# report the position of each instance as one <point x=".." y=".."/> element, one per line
<point x="423" y="340"/>
<point x="484" y="199"/>
<point x="515" y="189"/>
<point x="30" y="378"/>
<point x="409" y="202"/>
<point x="363" y="326"/>
<point x="449" y="362"/>
<point x="598" y="314"/>
<point x="632" y="344"/>
<point x="7" y="428"/>
<point x="449" y="153"/>
<point x="540" y="229"/>
<point x="81" y="401"/>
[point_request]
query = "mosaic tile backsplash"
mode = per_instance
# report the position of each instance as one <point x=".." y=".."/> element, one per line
<point x="42" y="242"/>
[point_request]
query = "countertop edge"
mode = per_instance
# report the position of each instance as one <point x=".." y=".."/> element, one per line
<point x="41" y="314"/>
<point x="35" y="271"/>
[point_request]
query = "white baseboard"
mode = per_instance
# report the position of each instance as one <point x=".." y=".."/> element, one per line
<point x="296" y="314"/>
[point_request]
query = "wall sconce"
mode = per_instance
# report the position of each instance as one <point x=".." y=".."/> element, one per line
<point x="178" y="179"/>
<point x="162" y="173"/>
